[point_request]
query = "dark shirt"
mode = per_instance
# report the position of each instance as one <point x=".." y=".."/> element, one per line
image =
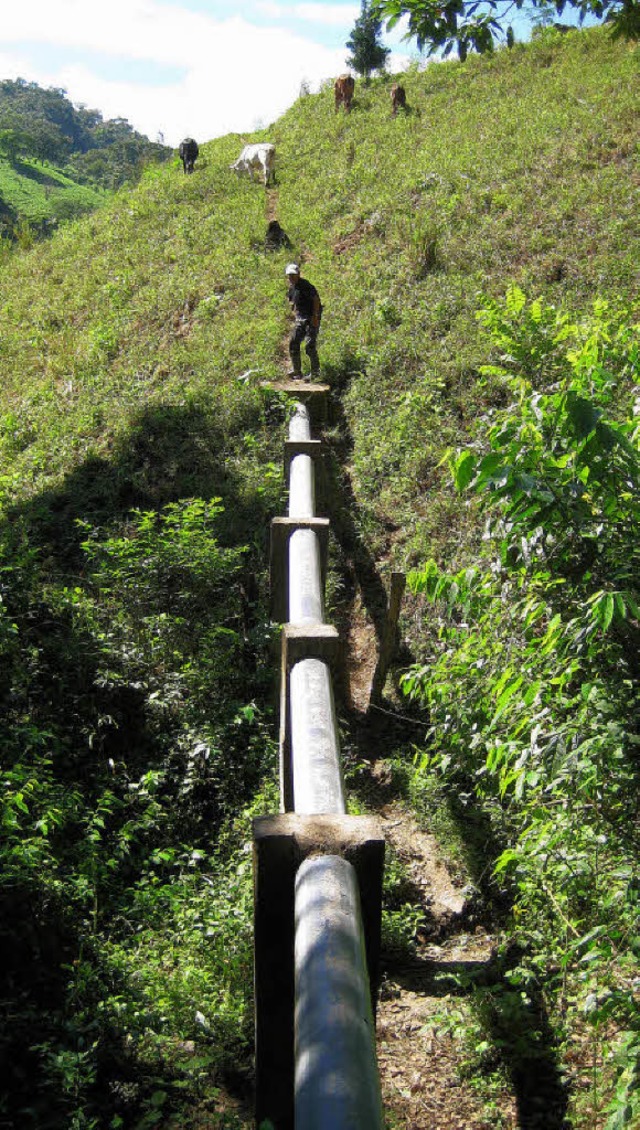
<point x="301" y="296"/>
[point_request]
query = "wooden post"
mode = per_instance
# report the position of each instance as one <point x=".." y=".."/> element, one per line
<point x="389" y="640"/>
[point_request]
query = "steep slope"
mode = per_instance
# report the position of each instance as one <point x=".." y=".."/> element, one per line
<point x="504" y="170"/>
<point x="35" y="197"/>
<point x="137" y="732"/>
<point x="156" y="300"/>
<point x="518" y="168"/>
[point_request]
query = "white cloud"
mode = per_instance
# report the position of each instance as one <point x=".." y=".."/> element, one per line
<point x="16" y="66"/>
<point x="331" y="15"/>
<point x="234" y="73"/>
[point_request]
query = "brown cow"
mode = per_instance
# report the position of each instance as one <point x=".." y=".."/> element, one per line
<point x="343" y="88"/>
<point x="398" y="98"/>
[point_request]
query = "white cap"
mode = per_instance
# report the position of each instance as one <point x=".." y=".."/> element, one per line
<point x="292" y="269"/>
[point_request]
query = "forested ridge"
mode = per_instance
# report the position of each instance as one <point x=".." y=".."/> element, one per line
<point x="57" y="160"/>
<point x="477" y="259"/>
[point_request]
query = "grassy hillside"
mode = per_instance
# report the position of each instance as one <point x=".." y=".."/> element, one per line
<point x="515" y="169"/>
<point x="140" y="463"/>
<point x="39" y="195"/>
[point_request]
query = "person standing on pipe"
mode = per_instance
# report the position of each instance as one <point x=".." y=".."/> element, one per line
<point x="307" y="309"/>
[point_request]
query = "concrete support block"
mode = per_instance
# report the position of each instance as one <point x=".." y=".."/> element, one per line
<point x="281" y="530"/>
<point x="315" y="396"/>
<point x="293" y="447"/>
<point x="280" y="844"/>
<point x="310" y="641"/>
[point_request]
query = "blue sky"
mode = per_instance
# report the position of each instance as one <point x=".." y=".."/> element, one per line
<point x="178" y="67"/>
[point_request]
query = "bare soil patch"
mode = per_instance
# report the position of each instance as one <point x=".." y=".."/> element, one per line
<point x="421" y="1055"/>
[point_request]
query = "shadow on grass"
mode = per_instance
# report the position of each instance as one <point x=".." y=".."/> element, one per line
<point x="516" y="1023"/>
<point x="170" y="453"/>
<point x="357" y="565"/>
<point x="72" y="735"/>
<point x="68" y="1058"/>
<point x="37" y="175"/>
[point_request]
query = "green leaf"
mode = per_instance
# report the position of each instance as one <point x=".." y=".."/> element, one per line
<point x="583" y="414"/>
<point x="463" y="470"/>
<point x="505" y="861"/>
<point x="603" y="605"/>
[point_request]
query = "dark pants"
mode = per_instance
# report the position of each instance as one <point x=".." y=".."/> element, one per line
<point x="304" y="331"/>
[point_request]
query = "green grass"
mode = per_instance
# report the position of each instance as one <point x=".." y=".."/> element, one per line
<point x="39" y="192"/>
<point x="509" y="166"/>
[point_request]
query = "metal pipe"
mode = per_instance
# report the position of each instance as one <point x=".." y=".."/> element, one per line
<point x="302" y="492"/>
<point x="300" y="424"/>
<point x="315" y="750"/>
<point x="302" y="500"/>
<point x="306" y="605"/>
<point x="337" y="1086"/>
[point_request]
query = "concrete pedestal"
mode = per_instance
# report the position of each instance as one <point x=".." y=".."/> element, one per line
<point x="280" y="844"/>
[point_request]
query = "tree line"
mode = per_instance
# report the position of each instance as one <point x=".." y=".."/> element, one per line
<point x="45" y="125"/>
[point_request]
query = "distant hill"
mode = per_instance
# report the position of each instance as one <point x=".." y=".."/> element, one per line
<point x="57" y="160"/>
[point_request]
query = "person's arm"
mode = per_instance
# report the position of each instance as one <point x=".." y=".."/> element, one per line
<point x="315" y="314"/>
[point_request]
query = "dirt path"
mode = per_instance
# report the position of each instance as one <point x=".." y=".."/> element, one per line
<point x="421" y="1019"/>
<point x="271" y="204"/>
<point x="420" y="1052"/>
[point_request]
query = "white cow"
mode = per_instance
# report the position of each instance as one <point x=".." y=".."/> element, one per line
<point x="259" y="159"/>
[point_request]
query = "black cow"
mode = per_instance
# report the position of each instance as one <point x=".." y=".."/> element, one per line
<point x="188" y="151"/>
<point x="276" y="237"/>
<point x="398" y="98"/>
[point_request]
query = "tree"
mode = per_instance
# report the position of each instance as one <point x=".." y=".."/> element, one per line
<point x="15" y="143"/>
<point x="368" y="54"/>
<point x="447" y="24"/>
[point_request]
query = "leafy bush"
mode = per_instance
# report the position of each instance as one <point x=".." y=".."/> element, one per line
<point x="532" y="683"/>
<point x="129" y="741"/>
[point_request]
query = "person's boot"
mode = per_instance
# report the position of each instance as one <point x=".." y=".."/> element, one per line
<point x="295" y="372"/>
<point x="315" y="364"/>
